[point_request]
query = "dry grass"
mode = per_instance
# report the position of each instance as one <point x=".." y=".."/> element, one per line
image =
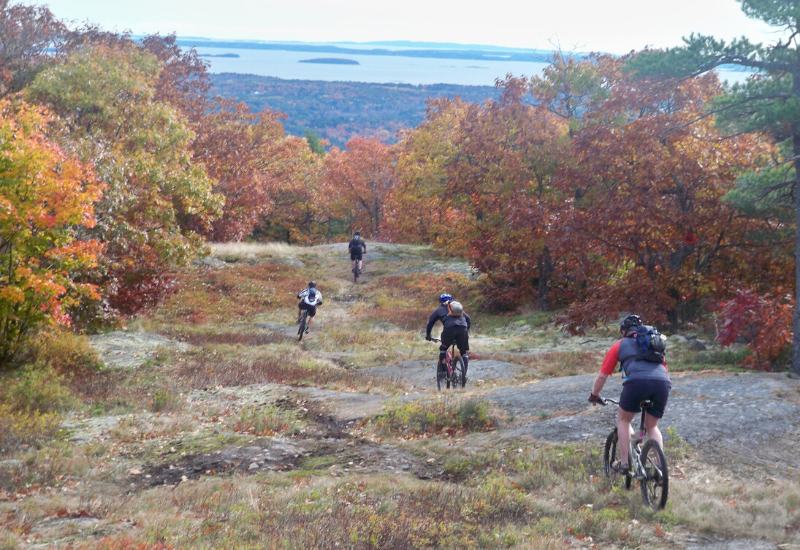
<point x="282" y="364"/>
<point x="256" y="249"/>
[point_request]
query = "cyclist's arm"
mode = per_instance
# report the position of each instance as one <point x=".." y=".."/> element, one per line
<point x="364" y="245"/>
<point x="432" y="321"/>
<point x="611" y="360"/>
<point x="469" y="321"/>
<point x="609" y="363"/>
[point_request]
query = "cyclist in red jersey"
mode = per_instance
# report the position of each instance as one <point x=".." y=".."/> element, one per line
<point x="645" y="380"/>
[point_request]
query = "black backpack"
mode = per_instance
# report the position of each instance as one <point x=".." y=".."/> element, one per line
<point x="651" y="344"/>
<point x="355" y="242"/>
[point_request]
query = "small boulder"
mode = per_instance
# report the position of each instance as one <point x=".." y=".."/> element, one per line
<point x="696" y="345"/>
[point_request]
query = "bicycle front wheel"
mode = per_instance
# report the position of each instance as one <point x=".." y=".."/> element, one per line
<point x="302" y="328"/>
<point x="655" y="486"/>
<point x="458" y="378"/>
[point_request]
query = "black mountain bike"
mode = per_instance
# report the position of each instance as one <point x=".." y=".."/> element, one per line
<point x="453" y="374"/>
<point x="302" y="329"/>
<point x="646" y="463"/>
<point x="356" y="272"/>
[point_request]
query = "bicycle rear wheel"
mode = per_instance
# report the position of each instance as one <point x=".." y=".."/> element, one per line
<point x="302" y="329"/>
<point x="610" y="455"/>
<point x="458" y="379"/>
<point x="655" y="487"/>
<point x="356" y="272"/>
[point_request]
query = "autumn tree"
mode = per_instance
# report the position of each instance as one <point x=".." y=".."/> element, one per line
<point x="650" y="178"/>
<point x="108" y="115"/>
<point x="30" y="39"/>
<point x="360" y="178"/>
<point x="45" y="195"/>
<point x="766" y="103"/>
<point x="423" y="156"/>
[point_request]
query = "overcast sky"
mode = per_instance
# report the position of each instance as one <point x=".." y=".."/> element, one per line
<point x="614" y="26"/>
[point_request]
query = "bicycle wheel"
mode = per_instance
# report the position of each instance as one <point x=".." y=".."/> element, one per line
<point x="458" y="378"/>
<point x="610" y="455"/>
<point x="441" y="376"/>
<point x="655" y="487"/>
<point x="302" y="328"/>
<point x="356" y="273"/>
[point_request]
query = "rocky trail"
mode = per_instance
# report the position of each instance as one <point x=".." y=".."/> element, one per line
<point x="740" y="425"/>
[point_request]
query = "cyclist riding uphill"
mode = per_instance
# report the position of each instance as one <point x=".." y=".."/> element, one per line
<point x="357" y="247"/>
<point x="646" y="378"/>
<point x="456" y="325"/>
<point x="310" y="298"/>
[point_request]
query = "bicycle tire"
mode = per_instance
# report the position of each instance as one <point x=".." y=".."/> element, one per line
<point x="356" y="273"/>
<point x="458" y="377"/>
<point x="611" y="454"/>
<point x="440" y="376"/>
<point x="302" y="329"/>
<point x="655" y="487"/>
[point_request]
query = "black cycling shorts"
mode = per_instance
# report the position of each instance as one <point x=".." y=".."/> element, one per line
<point x="636" y="391"/>
<point x="312" y="310"/>
<point x="457" y="334"/>
<point x="355" y="254"/>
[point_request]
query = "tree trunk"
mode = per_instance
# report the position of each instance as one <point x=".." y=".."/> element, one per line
<point x="544" y="278"/>
<point x="796" y="150"/>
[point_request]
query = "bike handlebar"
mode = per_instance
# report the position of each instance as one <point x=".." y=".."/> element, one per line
<point x="606" y="400"/>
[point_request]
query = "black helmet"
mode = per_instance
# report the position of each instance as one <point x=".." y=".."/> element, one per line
<point x="312" y="284"/>
<point x="358" y="233"/>
<point x="628" y="322"/>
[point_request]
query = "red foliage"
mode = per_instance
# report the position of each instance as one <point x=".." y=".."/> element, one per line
<point x="764" y="322"/>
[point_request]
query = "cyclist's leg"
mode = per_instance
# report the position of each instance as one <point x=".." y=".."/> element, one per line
<point x="659" y="396"/>
<point x="312" y="311"/>
<point x="299" y="311"/>
<point x="624" y="419"/>
<point x="462" y="341"/>
<point x="448" y="337"/>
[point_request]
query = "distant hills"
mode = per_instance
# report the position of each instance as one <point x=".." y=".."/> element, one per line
<point x="392" y="48"/>
<point x="338" y="111"/>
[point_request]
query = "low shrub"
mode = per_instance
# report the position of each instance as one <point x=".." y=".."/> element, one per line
<point x="264" y="421"/>
<point x="37" y="387"/>
<point x="64" y="352"/>
<point x="435" y="416"/>
<point x="21" y="428"/>
<point x="164" y="400"/>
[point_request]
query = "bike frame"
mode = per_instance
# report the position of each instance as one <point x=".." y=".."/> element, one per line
<point x="634" y="447"/>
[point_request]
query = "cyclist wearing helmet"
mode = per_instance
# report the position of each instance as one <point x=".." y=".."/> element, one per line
<point x="356" y="247"/>
<point x="309" y="298"/>
<point x="456" y="329"/>
<point x="646" y="380"/>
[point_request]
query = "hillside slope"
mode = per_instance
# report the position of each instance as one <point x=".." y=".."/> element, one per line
<point x="213" y="427"/>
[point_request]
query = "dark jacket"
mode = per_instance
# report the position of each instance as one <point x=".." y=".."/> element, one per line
<point x="442" y="314"/>
<point x="639" y="369"/>
<point x="358" y="244"/>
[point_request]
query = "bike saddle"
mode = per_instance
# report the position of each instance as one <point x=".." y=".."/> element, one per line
<point x="646" y="404"/>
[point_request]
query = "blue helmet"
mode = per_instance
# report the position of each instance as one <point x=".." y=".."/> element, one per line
<point x="445" y="298"/>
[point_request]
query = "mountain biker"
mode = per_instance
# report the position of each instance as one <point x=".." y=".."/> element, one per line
<point x="356" y="247"/>
<point x="309" y="298"/>
<point x="646" y="380"/>
<point x="456" y="329"/>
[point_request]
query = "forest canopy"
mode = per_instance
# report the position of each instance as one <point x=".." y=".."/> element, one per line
<point x="589" y="189"/>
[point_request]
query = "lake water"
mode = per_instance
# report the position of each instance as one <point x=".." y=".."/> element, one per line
<point x="378" y="68"/>
<point x="371" y="68"/>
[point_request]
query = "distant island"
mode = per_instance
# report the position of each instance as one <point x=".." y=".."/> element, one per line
<point x="331" y="61"/>
<point x="219" y="55"/>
